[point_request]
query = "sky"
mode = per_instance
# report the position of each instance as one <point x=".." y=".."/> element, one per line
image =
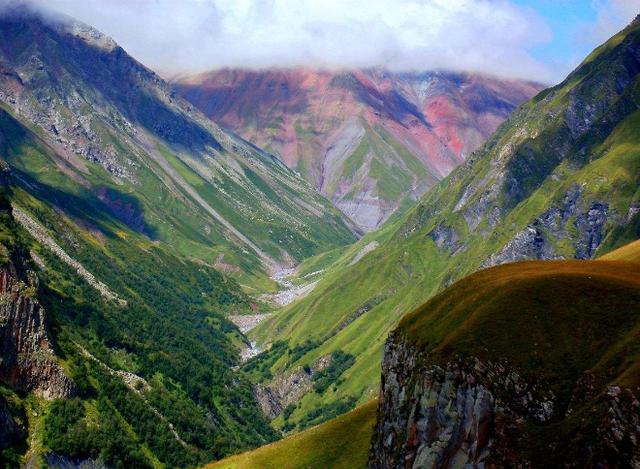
<point x="540" y="40"/>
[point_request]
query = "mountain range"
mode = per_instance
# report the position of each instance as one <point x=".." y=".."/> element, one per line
<point x="142" y="243"/>
<point x="122" y="135"/>
<point x="371" y="141"/>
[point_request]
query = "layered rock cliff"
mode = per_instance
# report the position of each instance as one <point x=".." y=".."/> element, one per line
<point x="525" y="365"/>
<point x="27" y="359"/>
<point x="466" y="413"/>
<point x="448" y="416"/>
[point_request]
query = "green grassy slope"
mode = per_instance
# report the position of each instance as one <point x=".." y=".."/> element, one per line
<point x="339" y="443"/>
<point x="555" y="180"/>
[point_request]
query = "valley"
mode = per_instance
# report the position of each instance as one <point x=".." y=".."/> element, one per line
<point x="300" y="267"/>
<point x="498" y="207"/>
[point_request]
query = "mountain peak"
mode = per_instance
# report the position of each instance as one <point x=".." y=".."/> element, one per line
<point x="29" y="14"/>
<point x="370" y="140"/>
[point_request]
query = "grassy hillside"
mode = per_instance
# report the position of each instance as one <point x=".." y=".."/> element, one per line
<point x="558" y="179"/>
<point x="629" y="252"/>
<point x="341" y="443"/>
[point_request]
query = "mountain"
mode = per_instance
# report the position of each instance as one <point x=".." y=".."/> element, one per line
<point x="557" y="180"/>
<point x="534" y="364"/>
<point x="120" y="134"/>
<point x="371" y="141"/>
<point x="127" y="221"/>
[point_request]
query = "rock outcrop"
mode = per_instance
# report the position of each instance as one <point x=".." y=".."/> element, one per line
<point x="445" y="416"/>
<point x="287" y="389"/>
<point x="465" y="413"/>
<point x="27" y="360"/>
<point x="60" y="461"/>
<point x="578" y="222"/>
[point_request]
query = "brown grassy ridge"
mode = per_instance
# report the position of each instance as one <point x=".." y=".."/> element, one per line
<point x="629" y="252"/>
<point x="552" y="320"/>
<point x="342" y="442"/>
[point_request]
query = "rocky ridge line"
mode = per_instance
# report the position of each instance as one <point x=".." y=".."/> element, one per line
<point x="36" y="230"/>
<point x="27" y="358"/>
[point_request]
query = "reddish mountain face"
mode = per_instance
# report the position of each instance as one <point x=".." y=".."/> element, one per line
<point x="369" y="140"/>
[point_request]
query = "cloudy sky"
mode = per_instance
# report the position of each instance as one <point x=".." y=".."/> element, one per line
<point x="535" y="39"/>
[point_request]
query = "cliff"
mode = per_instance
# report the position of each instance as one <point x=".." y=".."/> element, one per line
<point x="28" y="362"/>
<point x="524" y="365"/>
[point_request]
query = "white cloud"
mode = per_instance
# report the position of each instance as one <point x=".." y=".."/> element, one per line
<point x="492" y="36"/>
<point x="193" y="35"/>
<point x="612" y="16"/>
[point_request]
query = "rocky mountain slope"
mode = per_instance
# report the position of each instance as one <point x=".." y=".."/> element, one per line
<point x="28" y="363"/>
<point x="118" y="133"/>
<point x="134" y="215"/>
<point x="369" y="140"/>
<point x="557" y="180"/>
<point x="533" y="364"/>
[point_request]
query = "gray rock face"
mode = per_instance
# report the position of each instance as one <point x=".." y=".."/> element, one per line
<point x="287" y="389"/>
<point x="555" y="225"/>
<point x="470" y="413"/>
<point x="590" y="227"/>
<point x="59" y="461"/>
<point x="527" y="244"/>
<point x="431" y="416"/>
<point x="27" y="360"/>
<point x="446" y="237"/>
